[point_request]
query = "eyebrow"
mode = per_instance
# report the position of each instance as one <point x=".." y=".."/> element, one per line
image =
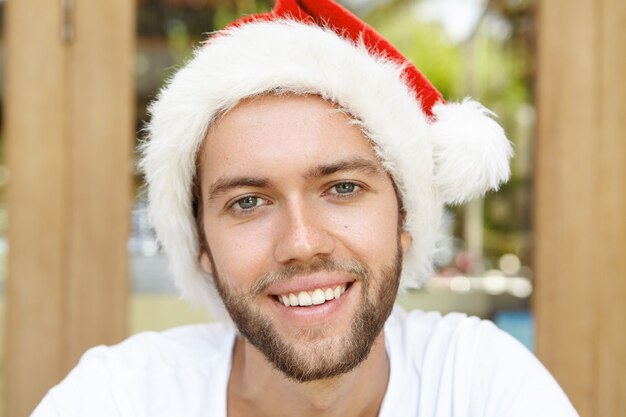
<point x="225" y="184"/>
<point x="355" y="164"/>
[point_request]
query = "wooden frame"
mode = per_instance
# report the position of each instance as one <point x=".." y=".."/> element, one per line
<point x="580" y="201"/>
<point x="69" y="136"/>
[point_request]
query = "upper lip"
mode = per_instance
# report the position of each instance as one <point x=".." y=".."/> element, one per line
<point x="310" y="282"/>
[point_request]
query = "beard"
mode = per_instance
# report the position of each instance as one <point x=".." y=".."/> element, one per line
<point x="314" y="356"/>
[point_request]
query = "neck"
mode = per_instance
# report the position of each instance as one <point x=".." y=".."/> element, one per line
<point x="256" y="388"/>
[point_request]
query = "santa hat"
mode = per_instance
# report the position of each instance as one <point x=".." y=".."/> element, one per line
<point x="437" y="153"/>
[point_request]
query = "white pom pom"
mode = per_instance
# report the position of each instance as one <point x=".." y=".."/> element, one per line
<point x="470" y="151"/>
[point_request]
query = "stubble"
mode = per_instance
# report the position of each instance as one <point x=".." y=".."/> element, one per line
<point x="315" y="356"/>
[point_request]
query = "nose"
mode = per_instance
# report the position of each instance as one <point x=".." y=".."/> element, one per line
<point x="303" y="235"/>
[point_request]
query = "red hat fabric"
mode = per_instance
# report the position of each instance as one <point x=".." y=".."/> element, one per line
<point x="437" y="153"/>
<point x="345" y="24"/>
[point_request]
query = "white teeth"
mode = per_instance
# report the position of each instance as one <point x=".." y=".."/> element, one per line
<point x="293" y="300"/>
<point x="329" y="294"/>
<point x="315" y="297"/>
<point x="337" y="291"/>
<point x="304" y="299"/>
<point x="318" y="297"/>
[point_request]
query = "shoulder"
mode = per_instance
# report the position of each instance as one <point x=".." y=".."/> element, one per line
<point x="423" y="333"/>
<point x="431" y="334"/>
<point x="190" y="346"/>
<point x="177" y="348"/>
<point x="110" y="379"/>
<point x="470" y="364"/>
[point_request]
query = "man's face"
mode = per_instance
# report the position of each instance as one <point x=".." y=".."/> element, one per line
<point x="296" y="209"/>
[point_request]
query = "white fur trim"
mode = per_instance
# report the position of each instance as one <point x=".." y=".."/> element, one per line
<point x="260" y="57"/>
<point x="470" y="150"/>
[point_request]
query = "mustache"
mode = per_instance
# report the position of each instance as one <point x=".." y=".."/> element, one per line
<point x="351" y="266"/>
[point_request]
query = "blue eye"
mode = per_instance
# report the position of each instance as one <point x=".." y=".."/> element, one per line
<point x="345" y="187"/>
<point x="247" y="202"/>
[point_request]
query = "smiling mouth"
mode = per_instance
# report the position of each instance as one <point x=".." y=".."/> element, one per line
<point x="315" y="297"/>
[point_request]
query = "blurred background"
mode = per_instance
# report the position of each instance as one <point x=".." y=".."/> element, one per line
<point x="543" y="258"/>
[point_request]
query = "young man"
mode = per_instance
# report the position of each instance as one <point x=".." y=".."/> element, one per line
<point x="297" y="168"/>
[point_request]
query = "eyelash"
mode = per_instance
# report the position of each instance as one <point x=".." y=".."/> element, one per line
<point x="232" y="206"/>
<point x="357" y="190"/>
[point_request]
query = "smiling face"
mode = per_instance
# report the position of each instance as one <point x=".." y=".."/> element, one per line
<point x="302" y="232"/>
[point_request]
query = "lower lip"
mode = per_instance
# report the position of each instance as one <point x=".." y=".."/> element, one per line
<point x="314" y="314"/>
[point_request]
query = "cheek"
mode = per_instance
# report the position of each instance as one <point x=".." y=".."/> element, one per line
<point x="241" y="253"/>
<point x="371" y="232"/>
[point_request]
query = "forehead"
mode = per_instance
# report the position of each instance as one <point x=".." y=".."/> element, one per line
<point x="275" y="132"/>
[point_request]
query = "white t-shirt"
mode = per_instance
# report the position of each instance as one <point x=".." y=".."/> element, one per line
<point x="450" y="366"/>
